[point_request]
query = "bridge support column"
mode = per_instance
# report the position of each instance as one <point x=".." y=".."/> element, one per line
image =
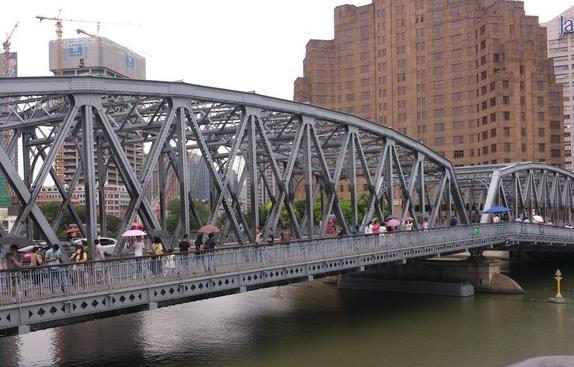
<point x="152" y="306"/>
<point x="23" y="329"/>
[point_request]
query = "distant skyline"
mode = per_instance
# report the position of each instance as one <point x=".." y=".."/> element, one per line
<point x="245" y="45"/>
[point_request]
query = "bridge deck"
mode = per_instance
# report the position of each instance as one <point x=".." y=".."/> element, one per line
<point x="46" y="296"/>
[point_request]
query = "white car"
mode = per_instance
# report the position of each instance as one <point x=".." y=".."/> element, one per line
<point x="107" y="243"/>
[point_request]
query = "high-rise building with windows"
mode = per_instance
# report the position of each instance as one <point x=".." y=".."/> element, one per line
<point x="560" y="35"/>
<point x="97" y="56"/>
<point x="469" y="78"/>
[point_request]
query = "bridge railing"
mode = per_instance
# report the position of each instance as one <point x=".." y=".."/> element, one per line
<point x="68" y="280"/>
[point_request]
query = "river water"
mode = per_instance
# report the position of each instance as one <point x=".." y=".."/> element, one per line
<point x="314" y="324"/>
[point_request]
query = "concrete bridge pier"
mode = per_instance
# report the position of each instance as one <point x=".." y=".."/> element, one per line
<point x="436" y="276"/>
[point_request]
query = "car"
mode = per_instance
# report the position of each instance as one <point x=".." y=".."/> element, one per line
<point x="107" y="243"/>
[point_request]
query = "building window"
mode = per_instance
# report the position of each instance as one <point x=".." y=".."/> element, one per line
<point x="439" y="127"/>
<point x="540" y="83"/>
<point x="439" y="140"/>
<point x="438" y="84"/>
<point x="555" y="124"/>
<point x="505" y="84"/>
<point x="541" y="131"/>
<point x="457" y="125"/>
<point x="506" y="131"/>
<point x="506" y="115"/>
<point x="365" y="95"/>
<point x="555" y="153"/>
<point x="350" y="97"/>
<point x="492" y="133"/>
<point x="459" y="153"/>
<point x="542" y="147"/>
<point x="493" y="148"/>
<point x="458" y="139"/>
<point x="493" y="101"/>
<point x="493" y="117"/>
<point x="506" y="147"/>
<point x="496" y="57"/>
<point x="541" y="116"/>
<point x="540" y="101"/>
<point x="505" y="99"/>
<point x="555" y="139"/>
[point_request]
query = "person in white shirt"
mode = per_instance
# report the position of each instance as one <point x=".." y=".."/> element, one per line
<point x="369" y="227"/>
<point x="100" y="254"/>
<point x="408" y="225"/>
<point x="139" y="247"/>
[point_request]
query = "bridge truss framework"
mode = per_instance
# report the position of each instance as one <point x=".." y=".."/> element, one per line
<point x="294" y="151"/>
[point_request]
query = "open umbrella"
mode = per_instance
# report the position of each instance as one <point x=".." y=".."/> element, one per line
<point x="392" y="216"/>
<point x="393" y="223"/>
<point x="133" y="233"/>
<point x="497" y="209"/>
<point x="208" y="228"/>
<point x="73" y="230"/>
<point x="537" y="219"/>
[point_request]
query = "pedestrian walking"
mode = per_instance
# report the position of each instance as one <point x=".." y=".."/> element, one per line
<point x="139" y="247"/>
<point x="100" y="253"/>
<point x="198" y="242"/>
<point x="158" y="250"/>
<point x="184" y="247"/>
<point x="53" y="258"/>
<point x="13" y="262"/>
<point x="375" y="227"/>
<point x="209" y="248"/>
<point x="79" y="257"/>
<point x="270" y="236"/>
<point x="408" y="225"/>
<point x="285" y="236"/>
<point x="36" y="260"/>
<point x="369" y="227"/>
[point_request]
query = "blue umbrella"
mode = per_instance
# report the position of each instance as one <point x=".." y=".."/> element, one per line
<point x="497" y="209"/>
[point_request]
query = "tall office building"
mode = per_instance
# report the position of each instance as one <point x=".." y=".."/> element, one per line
<point x="97" y="56"/>
<point x="469" y="78"/>
<point x="560" y="35"/>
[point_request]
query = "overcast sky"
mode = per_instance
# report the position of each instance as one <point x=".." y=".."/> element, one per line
<point x="238" y="44"/>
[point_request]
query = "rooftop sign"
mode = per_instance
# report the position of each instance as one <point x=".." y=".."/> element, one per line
<point x="566" y="26"/>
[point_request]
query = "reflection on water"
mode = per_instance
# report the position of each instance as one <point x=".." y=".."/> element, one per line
<point x="316" y="324"/>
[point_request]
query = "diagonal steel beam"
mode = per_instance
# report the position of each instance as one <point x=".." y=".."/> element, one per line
<point x="47" y="165"/>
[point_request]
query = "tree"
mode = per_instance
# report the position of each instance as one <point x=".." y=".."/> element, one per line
<point x="174" y="213"/>
<point x="50" y="209"/>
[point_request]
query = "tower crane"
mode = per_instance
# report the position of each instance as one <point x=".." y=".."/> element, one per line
<point x="59" y="31"/>
<point x="81" y="31"/>
<point x="6" y="44"/>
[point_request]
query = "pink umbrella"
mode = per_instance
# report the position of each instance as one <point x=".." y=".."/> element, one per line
<point x="133" y="233"/>
<point x="393" y="223"/>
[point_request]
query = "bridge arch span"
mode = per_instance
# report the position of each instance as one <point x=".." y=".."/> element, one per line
<point x="306" y="164"/>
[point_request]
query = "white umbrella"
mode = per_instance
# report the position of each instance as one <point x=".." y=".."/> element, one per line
<point x="133" y="233"/>
<point x="537" y="219"/>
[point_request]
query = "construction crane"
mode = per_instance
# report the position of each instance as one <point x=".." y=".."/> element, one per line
<point x="59" y="31"/>
<point x="81" y="31"/>
<point x="6" y="44"/>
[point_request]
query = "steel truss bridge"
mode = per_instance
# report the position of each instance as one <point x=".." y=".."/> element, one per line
<point x="295" y="155"/>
